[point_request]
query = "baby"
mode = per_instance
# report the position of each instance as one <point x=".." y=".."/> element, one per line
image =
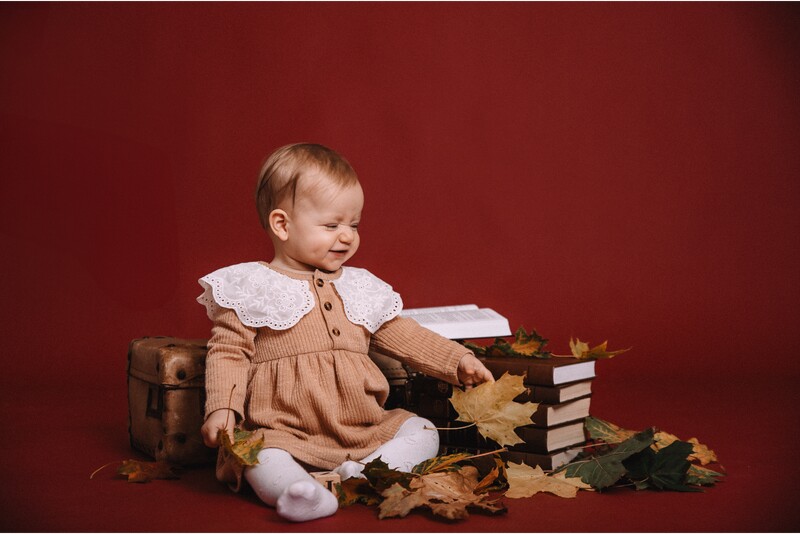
<point x="289" y="351"/>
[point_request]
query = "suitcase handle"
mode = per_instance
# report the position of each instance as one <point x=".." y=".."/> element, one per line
<point x="155" y="401"/>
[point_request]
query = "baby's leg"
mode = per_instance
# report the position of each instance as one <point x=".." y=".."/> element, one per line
<point x="280" y="481"/>
<point x="413" y="443"/>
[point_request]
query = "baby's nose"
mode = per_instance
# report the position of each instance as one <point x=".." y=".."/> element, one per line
<point x="346" y="235"/>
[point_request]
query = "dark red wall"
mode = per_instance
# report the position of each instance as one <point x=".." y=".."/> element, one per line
<point x="621" y="171"/>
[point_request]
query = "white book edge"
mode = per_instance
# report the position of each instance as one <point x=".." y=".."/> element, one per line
<point x="572" y="373"/>
<point x="465" y="321"/>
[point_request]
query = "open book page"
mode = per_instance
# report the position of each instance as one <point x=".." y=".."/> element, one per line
<point x="461" y="322"/>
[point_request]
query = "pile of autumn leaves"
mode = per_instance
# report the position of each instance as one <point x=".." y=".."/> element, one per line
<point x="450" y="485"/>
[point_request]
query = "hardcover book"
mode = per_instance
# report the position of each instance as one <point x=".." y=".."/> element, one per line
<point x="556" y="394"/>
<point x="465" y="321"/>
<point x="542" y="371"/>
<point x="548" y="415"/>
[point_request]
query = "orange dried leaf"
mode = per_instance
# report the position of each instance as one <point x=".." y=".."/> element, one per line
<point x="141" y="472"/>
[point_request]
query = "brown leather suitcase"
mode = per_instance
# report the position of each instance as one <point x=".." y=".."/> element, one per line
<point x="166" y="398"/>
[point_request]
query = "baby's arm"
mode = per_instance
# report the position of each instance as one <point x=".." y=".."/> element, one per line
<point x="405" y="340"/>
<point x="227" y="370"/>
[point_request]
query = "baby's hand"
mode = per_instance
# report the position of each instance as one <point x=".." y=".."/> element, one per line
<point x="219" y="420"/>
<point x="472" y="372"/>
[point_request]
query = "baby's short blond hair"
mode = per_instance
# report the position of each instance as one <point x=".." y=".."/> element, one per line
<point x="279" y="175"/>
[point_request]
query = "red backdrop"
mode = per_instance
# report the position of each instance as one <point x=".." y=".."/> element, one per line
<point x="625" y="172"/>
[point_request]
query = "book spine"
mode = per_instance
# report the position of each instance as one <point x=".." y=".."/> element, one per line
<point x="538" y="375"/>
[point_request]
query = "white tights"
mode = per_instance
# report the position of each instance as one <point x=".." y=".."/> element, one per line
<point x="281" y="482"/>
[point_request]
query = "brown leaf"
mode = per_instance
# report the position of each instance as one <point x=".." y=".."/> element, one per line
<point x="490" y="478"/>
<point x="525" y="481"/>
<point x="141" y="472"/>
<point x="447" y="493"/>
<point x="491" y="406"/>
<point x="356" y="490"/>
<point x="582" y="351"/>
<point x="244" y="449"/>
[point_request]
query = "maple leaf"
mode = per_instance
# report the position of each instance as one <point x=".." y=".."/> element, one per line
<point x="141" y="472"/>
<point x="599" y="429"/>
<point x="492" y="408"/>
<point x="243" y="449"/>
<point x="446" y="493"/>
<point x="381" y="476"/>
<point x="488" y="481"/>
<point x="702" y="476"/>
<point x="440" y="463"/>
<point x="525" y="481"/>
<point x="664" y="470"/>
<point x="356" y="490"/>
<point x="605" y="469"/>
<point x="524" y="345"/>
<point x="582" y="351"/>
<point x="700" y="452"/>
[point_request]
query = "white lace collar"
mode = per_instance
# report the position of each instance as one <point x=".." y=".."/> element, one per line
<point x="262" y="297"/>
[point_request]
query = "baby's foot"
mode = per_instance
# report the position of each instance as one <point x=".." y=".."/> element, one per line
<point x="350" y="469"/>
<point x="306" y="500"/>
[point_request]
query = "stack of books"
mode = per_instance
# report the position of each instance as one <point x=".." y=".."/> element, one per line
<point x="561" y="386"/>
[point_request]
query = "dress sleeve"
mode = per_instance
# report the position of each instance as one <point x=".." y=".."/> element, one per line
<point x="423" y="350"/>
<point x="230" y="350"/>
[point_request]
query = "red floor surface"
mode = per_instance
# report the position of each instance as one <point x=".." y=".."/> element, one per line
<point x="750" y="423"/>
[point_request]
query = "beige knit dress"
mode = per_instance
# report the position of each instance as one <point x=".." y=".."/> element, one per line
<point x="311" y="388"/>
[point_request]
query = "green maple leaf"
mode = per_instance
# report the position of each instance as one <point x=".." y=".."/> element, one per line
<point x="664" y="470"/>
<point x="381" y="477"/>
<point x="606" y="469"/>
<point x="702" y="476"/>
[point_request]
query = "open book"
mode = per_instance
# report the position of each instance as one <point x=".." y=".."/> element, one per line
<point x="461" y="322"/>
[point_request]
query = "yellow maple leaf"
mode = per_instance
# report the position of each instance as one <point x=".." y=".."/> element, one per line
<point x="525" y="481"/>
<point x="582" y="351"/>
<point x="492" y="408"/>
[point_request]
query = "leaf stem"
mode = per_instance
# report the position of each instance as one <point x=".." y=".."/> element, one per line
<point x="451" y="428"/>
<point x="486" y="453"/>
<point x="100" y="469"/>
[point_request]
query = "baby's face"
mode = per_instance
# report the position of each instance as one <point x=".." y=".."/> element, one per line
<point x="323" y="224"/>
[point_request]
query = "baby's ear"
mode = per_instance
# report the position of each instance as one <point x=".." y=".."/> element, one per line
<point x="279" y="224"/>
